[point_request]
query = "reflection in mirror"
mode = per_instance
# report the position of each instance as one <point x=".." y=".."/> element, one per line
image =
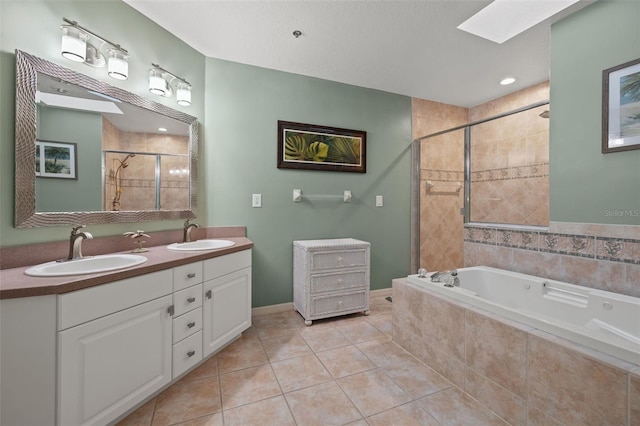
<point x="126" y="170"/>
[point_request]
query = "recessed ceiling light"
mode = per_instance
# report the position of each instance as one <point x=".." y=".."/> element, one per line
<point x="507" y="81"/>
<point x="162" y="129"/>
<point x="504" y="19"/>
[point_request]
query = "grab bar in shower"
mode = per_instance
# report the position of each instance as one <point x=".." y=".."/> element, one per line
<point x="444" y="187"/>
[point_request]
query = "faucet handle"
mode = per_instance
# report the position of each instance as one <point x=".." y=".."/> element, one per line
<point x="422" y="272"/>
<point x="74" y="231"/>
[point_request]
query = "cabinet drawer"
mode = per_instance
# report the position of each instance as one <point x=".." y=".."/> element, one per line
<point x="187" y="324"/>
<point x="88" y="304"/>
<point x="338" y="303"/>
<point x="187" y="275"/>
<point x="223" y="265"/>
<point x="323" y="260"/>
<point x="338" y="281"/>
<point x="187" y="353"/>
<point x="187" y="300"/>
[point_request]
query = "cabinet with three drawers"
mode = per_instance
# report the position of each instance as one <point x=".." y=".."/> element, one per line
<point x="330" y="277"/>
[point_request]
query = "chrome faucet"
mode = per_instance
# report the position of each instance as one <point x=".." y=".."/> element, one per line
<point x="449" y="278"/>
<point x="75" y="242"/>
<point x="186" y="234"/>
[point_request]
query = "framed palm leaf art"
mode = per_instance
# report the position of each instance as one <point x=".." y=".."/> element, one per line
<point x="312" y="147"/>
<point x="621" y="107"/>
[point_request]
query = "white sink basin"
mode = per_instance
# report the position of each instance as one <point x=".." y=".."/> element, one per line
<point x="201" y="245"/>
<point x="86" y="265"/>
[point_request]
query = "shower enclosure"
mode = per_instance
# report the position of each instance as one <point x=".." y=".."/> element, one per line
<point x="145" y="181"/>
<point x="493" y="170"/>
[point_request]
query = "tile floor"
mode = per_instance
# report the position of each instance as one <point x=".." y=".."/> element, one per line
<point x="340" y="371"/>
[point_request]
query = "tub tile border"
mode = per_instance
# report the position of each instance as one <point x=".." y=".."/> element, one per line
<point x="623" y="250"/>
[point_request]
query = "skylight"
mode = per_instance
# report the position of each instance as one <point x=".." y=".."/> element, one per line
<point x="504" y="19"/>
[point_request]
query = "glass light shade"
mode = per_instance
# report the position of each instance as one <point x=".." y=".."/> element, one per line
<point x="183" y="94"/>
<point x="157" y="83"/>
<point x="74" y="44"/>
<point x="118" y="67"/>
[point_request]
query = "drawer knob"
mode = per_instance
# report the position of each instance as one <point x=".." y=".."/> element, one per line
<point x="340" y="259"/>
<point x="191" y="275"/>
<point x="191" y="353"/>
<point x="191" y="324"/>
<point x="340" y="281"/>
<point x="191" y="299"/>
<point x="340" y="303"/>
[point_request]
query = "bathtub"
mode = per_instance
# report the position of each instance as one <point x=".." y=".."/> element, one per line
<point x="604" y="321"/>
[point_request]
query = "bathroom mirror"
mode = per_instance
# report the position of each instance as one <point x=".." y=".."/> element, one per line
<point x="124" y="168"/>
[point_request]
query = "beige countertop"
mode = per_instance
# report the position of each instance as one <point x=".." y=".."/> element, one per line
<point x="14" y="283"/>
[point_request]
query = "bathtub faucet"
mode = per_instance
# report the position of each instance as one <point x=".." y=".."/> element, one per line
<point x="449" y="278"/>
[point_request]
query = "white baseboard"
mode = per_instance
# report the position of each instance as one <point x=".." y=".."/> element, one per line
<point x="284" y="307"/>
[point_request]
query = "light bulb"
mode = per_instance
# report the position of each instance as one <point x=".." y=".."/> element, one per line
<point x="157" y="83"/>
<point x="74" y="43"/>
<point x="118" y="67"/>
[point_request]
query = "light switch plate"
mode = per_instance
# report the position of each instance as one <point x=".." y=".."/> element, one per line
<point x="256" y="200"/>
<point x="379" y="201"/>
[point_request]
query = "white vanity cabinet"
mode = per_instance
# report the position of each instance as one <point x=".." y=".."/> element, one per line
<point x="87" y="357"/>
<point x="227" y="299"/>
<point x="114" y="347"/>
<point x="330" y="277"/>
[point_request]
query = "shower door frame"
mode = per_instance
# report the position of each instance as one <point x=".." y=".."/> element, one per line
<point x="466" y="210"/>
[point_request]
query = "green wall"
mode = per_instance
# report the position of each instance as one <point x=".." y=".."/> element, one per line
<point x="243" y="106"/>
<point x="85" y="130"/>
<point x="585" y="185"/>
<point x="34" y="27"/>
<point x="238" y="143"/>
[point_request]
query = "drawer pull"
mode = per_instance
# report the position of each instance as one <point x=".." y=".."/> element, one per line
<point x="340" y="259"/>
<point x="191" y="275"/>
<point x="191" y="324"/>
<point x="191" y="353"/>
<point x="191" y="299"/>
<point x="340" y="281"/>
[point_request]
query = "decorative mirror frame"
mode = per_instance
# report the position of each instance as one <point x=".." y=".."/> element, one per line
<point x="26" y="216"/>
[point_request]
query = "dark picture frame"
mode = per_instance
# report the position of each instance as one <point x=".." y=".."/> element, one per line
<point x="314" y="147"/>
<point x="58" y="160"/>
<point x="621" y="107"/>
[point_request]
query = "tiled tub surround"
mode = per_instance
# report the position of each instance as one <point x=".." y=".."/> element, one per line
<point x="603" y="321"/>
<point x="524" y="375"/>
<point x="14" y="260"/>
<point x="606" y="257"/>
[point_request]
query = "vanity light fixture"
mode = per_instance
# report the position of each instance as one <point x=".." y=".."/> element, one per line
<point x="78" y="45"/>
<point x="164" y="83"/>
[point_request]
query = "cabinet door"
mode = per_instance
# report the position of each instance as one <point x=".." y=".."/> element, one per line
<point x="226" y="309"/>
<point x="108" y="365"/>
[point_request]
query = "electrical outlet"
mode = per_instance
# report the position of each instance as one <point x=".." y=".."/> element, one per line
<point x="256" y="200"/>
<point x="379" y="201"/>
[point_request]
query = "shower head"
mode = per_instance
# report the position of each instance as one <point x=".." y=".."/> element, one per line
<point x="544" y="114"/>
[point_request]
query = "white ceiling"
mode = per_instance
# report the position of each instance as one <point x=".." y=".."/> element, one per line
<point x="411" y="48"/>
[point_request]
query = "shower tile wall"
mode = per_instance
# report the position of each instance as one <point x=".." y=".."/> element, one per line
<point x="138" y="180"/>
<point x="442" y="164"/>
<point x="510" y="161"/>
<point x="441" y="169"/>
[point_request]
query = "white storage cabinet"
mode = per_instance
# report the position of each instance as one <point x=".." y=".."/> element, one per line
<point x="330" y="277"/>
<point x="227" y="299"/>
<point x="114" y="344"/>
